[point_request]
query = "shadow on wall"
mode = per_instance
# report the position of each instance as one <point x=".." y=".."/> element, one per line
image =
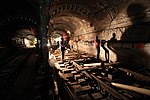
<point x="137" y="35"/>
<point x="137" y="32"/>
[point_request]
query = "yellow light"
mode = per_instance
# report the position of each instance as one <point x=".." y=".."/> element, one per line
<point x="68" y="32"/>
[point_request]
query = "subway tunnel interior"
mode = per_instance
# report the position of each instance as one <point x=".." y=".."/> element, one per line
<point x="41" y="24"/>
<point x="82" y="21"/>
<point x="124" y="19"/>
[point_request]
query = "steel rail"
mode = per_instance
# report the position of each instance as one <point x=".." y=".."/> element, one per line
<point x="110" y="90"/>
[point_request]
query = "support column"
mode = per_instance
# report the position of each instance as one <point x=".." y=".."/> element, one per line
<point x="47" y="73"/>
<point x="43" y="31"/>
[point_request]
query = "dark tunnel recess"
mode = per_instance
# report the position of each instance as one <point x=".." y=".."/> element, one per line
<point x="18" y="23"/>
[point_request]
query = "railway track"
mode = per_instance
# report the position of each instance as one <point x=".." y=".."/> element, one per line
<point x="11" y="69"/>
<point x="83" y="79"/>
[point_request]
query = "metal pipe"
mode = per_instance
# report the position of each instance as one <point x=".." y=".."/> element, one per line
<point x="132" y="88"/>
<point x="92" y="64"/>
<point x="98" y="67"/>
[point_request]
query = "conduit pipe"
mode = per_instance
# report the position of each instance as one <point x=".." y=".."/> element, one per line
<point x="132" y="88"/>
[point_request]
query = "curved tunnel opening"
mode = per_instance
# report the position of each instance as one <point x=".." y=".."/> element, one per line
<point x="71" y="26"/>
<point x="17" y="23"/>
<point x="108" y="18"/>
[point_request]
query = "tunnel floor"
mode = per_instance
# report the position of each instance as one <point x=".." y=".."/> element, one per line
<point x="80" y="77"/>
<point x="32" y="83"/>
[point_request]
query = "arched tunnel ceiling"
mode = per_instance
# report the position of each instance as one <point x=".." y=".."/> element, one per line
<point x="85" y="16"/>
<point x="18" y="13"/>
<point x="82" y="16"/>
<point x="72" y="24"/>
<point x="77" y="16"/>
<point x="18" y="7"/>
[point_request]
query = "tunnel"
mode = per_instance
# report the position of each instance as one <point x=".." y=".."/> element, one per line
<point x="86" y="20"/>
<point x="37" y="29"/>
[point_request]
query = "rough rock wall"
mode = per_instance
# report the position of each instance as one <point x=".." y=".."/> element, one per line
<point x="132" y="28"/>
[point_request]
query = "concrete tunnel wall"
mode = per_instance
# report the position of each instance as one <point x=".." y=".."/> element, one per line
<point x="130" y="25"/>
